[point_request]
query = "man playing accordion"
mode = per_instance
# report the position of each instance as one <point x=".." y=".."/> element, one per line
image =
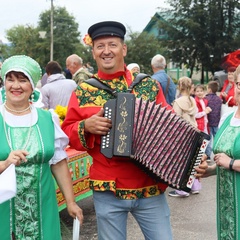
<point x="119" y="186"/>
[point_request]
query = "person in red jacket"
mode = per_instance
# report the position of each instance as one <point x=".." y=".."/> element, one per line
<point x="203" y="109"/>
<point x="119" y="186"/>
<point x="227" y="93"/>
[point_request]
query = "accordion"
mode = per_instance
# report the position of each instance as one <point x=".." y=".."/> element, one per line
<point x="160" y="142"/>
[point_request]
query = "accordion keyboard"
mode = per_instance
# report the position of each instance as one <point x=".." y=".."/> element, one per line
<point x="107" y="140"/>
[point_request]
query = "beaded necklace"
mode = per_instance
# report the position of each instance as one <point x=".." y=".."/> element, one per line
<point x="7" y="134"/>
<point x="17" y="111"/>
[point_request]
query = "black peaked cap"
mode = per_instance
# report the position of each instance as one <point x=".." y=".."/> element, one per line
<point x="108" y="28"/>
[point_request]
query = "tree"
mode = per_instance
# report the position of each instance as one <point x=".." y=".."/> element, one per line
<point x="141" y="48"/>
<point x="4" y="51"/>
<point x="65" y="31"/>
<point x="26" y="39"/>
<point x="23" y="40"/>
<point x="86" y="54"/>
<point x="202" y="31"/>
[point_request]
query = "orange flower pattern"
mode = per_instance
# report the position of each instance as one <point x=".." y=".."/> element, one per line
<point x="88" y="40"/>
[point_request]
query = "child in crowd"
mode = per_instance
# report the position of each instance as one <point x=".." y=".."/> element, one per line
<point x="185" y="106"/>
<point x="203" y="109"/>
<point x="215" y="103"/>
<point x="192" y="91"/>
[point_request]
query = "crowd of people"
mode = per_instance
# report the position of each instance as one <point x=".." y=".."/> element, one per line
<point x="34" y="141"/>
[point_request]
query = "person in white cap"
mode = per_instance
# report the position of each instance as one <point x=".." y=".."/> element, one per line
<point x="133" y="67"/>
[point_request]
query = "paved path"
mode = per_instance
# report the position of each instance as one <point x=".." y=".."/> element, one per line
<point x="192" y="218"/>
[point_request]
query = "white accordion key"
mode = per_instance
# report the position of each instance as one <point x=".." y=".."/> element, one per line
<point x="198" y="161"/>
<point x="107" y="140"/>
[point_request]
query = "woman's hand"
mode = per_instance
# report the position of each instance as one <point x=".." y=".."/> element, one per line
<point x="17" y="157"/>
<point x="62" y="175"/>
<point x="221" y="159"/>
<point x="75" y="211"/>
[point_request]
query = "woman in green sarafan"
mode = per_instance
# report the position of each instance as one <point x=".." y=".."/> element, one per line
<point x="32" y="140"/>
<point x="226" y="150"/>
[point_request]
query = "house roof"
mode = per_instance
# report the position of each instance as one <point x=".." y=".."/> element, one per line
<point x="153" y="25"/>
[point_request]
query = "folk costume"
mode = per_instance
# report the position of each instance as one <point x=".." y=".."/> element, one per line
<point x="119" y="186"/>
<point x="33" y="212"/>
<point x="27" y="215"/>
<point x="126" y="180"/>
<point x="228" y="182"/>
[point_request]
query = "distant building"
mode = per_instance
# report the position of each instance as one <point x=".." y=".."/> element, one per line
<point x="155" y="27"/>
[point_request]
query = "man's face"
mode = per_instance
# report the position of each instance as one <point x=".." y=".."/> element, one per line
<point x="109" y="53"/>
<point x="70" y="66"/>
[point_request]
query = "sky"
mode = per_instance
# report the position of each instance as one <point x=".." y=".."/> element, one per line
<point x="134" y="14"/>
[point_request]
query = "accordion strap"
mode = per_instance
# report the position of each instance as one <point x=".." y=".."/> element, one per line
<point x="137" y="80"/>
<point x="168" y="83"/>
<point x="96" y="83"/>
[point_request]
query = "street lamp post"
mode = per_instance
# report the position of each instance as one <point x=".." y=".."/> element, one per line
<point x="51" y="29"/>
